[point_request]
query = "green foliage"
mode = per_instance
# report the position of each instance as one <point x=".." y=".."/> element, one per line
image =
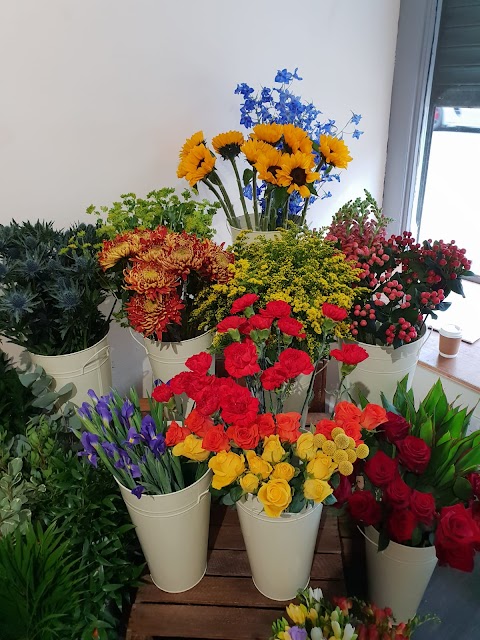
<point x="48" y="280"/>
<point x="15" y="399"/>
<point x="160" y="207"/>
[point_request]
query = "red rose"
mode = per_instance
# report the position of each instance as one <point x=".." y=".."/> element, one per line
<point x="423" y="506"/>
<point x="398" y="492"/>
<point x="345" y="410"/>
<point x="240" y="304"/>
<point x="273" y="377"/>
<point x="288" y="426"/>
<point x="460" y="557"/>
<point x="295" y="362"/>
<point x="474" y="479"/>
<point x="162" y="393"/>
<point x="456" y="537"/>
<point x="325" y="427"/>
<point x="198" y="423"/>
<point x="396" y="428"/>
<point x="231" y="322"/>
<point x="414" y="453"/>
<point x="175" y="434"/>
<point x="364" y="508"/>
<point x="343" y="491"/>
<point x="291" y="327"/>
<point x="353" y="430"/>
<point x="333" y="312"/>
<point x="237" y="404"/>
<point x="381" y="469"/>
<point x="372" y="416"/>
<point x="265" y="424"/>
<point x="199" y="363"/>
<point x="260" y="322"/>
<point x="244" y="437"/>
<point x="351" y="354"/>
<point x="401" y="524"/>
<point x="216" y="439"/>
<point x="241" y="359"/>
<point x="276" y="309"/>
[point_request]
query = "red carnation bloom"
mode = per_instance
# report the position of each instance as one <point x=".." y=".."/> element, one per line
<point x="162" y="393"/>
<point x="273" y="377"/>
<point x="231" y="322"/>
<point x="295" y="362"/>
<point x="241" y="359"/>
<point x="333" y="312"/>
<point x="291" y="327"/>
<point x="276" y="309"/>
<point x="260" y="322"/>
<point x="381" y="469"/>
<point x="237" y="404"/>
<point x="199" y="363"/>
<point x="350" y="354"/>
<point x="240" y="304"/>
<point x="207" y="401"/>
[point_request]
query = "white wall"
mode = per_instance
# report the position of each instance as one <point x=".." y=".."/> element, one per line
<point x="98" y="97"/>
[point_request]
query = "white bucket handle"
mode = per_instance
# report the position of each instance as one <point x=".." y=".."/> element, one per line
<point x="169" y="514"/>
<point x="375" y="544"/>
<point x="137" y="340"/>
<point x="106" y="348"/>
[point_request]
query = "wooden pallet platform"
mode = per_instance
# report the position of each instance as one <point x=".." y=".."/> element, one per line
<point x="225" y="605"/>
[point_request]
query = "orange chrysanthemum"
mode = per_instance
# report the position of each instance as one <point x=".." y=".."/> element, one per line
<point x="151" y="317"/>
<point x="228" y="144"/>
<point x="150" y="279"/>
<point x="296" y="172"/>
<point x="296" y="139"/>
<point x="217" y="262"/>
<point x="197" y="165"/>
<point x="183" y="254"/>
<point x="190" y="143"/>
<point x="335" y="151"/>
<point x="267" y="132"/>
<point x="124" y="245"/>
<point x="268" y="164"/>
<point x="252" y="149"/>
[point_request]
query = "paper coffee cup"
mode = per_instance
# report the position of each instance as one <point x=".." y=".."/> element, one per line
<point x="449" y="341"/>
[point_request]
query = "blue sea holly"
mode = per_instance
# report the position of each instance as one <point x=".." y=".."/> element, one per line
<point x="18" y="303"/>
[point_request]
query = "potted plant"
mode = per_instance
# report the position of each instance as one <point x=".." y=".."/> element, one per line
<point x="417" y="493"/>
<point x="288" y="156"/>
<point x="402" y="282"/>
<point x="50" y="279"/>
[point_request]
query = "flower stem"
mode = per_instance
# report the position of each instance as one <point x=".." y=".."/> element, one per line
<point x="240" y="190"/>
<point x="255" y="200"/>
<point x="231" y="218"/>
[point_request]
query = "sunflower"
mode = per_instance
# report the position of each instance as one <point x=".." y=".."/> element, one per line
<point x="193" y="141"/>
<point x="228" y="144"/>
<point x="150" y="279"/>
<point x="335" y="151"/>
<point x="267" y="132"/>
<point x="296" y="139"/>
<point x="197" y="165"/>
<point x="151" y="317"/>
<point x="252" y="149"/>
<point x="296" y="172"/>
<point x="268" y="164"/>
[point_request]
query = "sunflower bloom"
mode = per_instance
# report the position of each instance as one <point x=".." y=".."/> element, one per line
<point x="197" y="165"/>
<point x="296" y="172"/>
<point x="151" y="317"/>
<point x="267" y="132"/>
<point x="252" y="149"/>
<point x="268" y="164"/>
<point x="228" y="144"/>
<point x="335" y="151"/>
<point x="193" y="141"/>
<point x="296" y="139"/>
<point x="150" y="279"/>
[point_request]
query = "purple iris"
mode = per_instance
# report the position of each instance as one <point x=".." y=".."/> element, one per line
<point x="133" y="437"/>
<point x="134" y="470"/>
<point x="138" y="491"/>
<point x="85" y="411"/>
<point x="92" y="395"/>
<point x="123" y="460"/>
<point x="108" y="398"/>
<point x="127" y="409"/>
<point x="110" y="448"/>
<point x="155" y="441"/>
<point x="104" y="412"/>
<point x="297" y="633"/>
<point x="88" y="440"/>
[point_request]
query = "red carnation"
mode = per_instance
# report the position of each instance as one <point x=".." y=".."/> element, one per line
<point x="207" y="401"/>
<point x="333" y="312"/>
<point x="162" y="393"/>
<point x="276" y="309"/>
<point x="381" y="469"/>
<point x="237" y="404"/>
<point x="291" y="327"/>
<point x="364" y="508"/>
<point x="349" y="354"/>
<point x="423" y="506"/>
<point x="231" y="322"/>
<point x="295" y="362"/>
<point x="175" y="434"/>
<point x="241" y="359"/>
<point x="265" y="424"/>
<point x="199" y="363"/>
<point x="216" y="439"/>
<point x="260" y="322"/>
<point x="398" y="492"/>
<point x="414" y="453"/>
<point x="288" y="426"/>
<point x="396" y="428"/>
<point x="240" y="304"/>
<point x="273" y="377"/>
<point x="401" y="524"/>
<point x="244" y="437"/>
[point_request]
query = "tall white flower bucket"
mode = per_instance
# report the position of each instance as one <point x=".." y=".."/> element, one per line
<point x="383" y="369"/>
<point x="252" y="235"/>
<point x="295" y="401"/>
<point x="87" y="369"/>
<point x="398" y="576"/>
<point x="277" y="571"/>
<point x="173" y="532"/>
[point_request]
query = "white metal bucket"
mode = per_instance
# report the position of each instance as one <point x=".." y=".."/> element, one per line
<point x="398" y="576"/>
<point x="252" y="235"/>
<point x="277" y="571"/>
<point x="383" y="369"/>
<point x="296" y="399"/>
<point x="173" y="533"/>
<point x="87" y="369"/>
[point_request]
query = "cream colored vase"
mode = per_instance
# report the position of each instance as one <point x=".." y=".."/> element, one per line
<point x="280" y="550"/>
<point x="398" y="575"/>
<point x="87" y="369"/>
<point x="252" y="235"/>
<point x="173" y="532"/>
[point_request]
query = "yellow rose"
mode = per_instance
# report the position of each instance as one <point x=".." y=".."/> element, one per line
<point x="191" y="448"/>
<point x="321" y="467"/>
<point x="306" y="447"/>
<point x="273" y="451"/>
<point x="316" y="490"/>
<point x="249" y="483"/>
<point x="257" y="465"/>
<point x="226" y="467"/>
<point x="283" y="471"/>
<point x="275" y="495"/>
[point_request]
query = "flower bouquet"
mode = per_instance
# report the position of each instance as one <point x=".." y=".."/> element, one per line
<point x="289" y="154"/>
<point x="317" y="618"/>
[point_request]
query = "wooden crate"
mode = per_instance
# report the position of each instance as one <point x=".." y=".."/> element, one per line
<point x="226" y="605"/>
